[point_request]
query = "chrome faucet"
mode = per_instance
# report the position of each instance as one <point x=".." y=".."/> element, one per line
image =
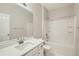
<point x="20" y="40"/>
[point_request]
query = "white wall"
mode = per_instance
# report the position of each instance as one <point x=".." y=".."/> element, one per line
<point x="44" y="23"/>
<point x="61" y="12"/>
<point x="29" y="29"/>
<point x="56" y="18"/>
<point x="19" y="17"/>
<point x="37" y="20"/>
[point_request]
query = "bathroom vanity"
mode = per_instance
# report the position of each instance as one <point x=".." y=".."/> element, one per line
<point x="31" y="47"/>
<point x="37" y="51"/>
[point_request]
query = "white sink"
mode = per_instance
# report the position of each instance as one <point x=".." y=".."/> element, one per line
<point x="24" y="45"/>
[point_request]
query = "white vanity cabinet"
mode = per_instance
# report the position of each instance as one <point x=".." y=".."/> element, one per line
<point x="37" y="51"/>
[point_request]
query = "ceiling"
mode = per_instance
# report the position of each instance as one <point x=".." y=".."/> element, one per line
<point x="52" y="6"/>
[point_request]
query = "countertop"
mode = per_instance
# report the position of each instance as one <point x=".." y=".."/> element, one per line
<point x="12" y="51"/>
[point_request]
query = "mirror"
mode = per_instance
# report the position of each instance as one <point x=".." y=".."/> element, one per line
<point x="4" y="26"/>
<point x="15" y="21"/>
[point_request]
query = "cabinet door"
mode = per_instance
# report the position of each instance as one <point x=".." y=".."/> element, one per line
<point x="33" y="52"/>
<point x="41" y="49"/>
<point x="38" y="51"/>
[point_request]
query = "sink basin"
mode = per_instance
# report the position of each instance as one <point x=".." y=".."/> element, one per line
<point x="24" y="45"/>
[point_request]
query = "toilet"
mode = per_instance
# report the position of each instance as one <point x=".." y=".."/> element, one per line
<point x="47" y="51"/>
